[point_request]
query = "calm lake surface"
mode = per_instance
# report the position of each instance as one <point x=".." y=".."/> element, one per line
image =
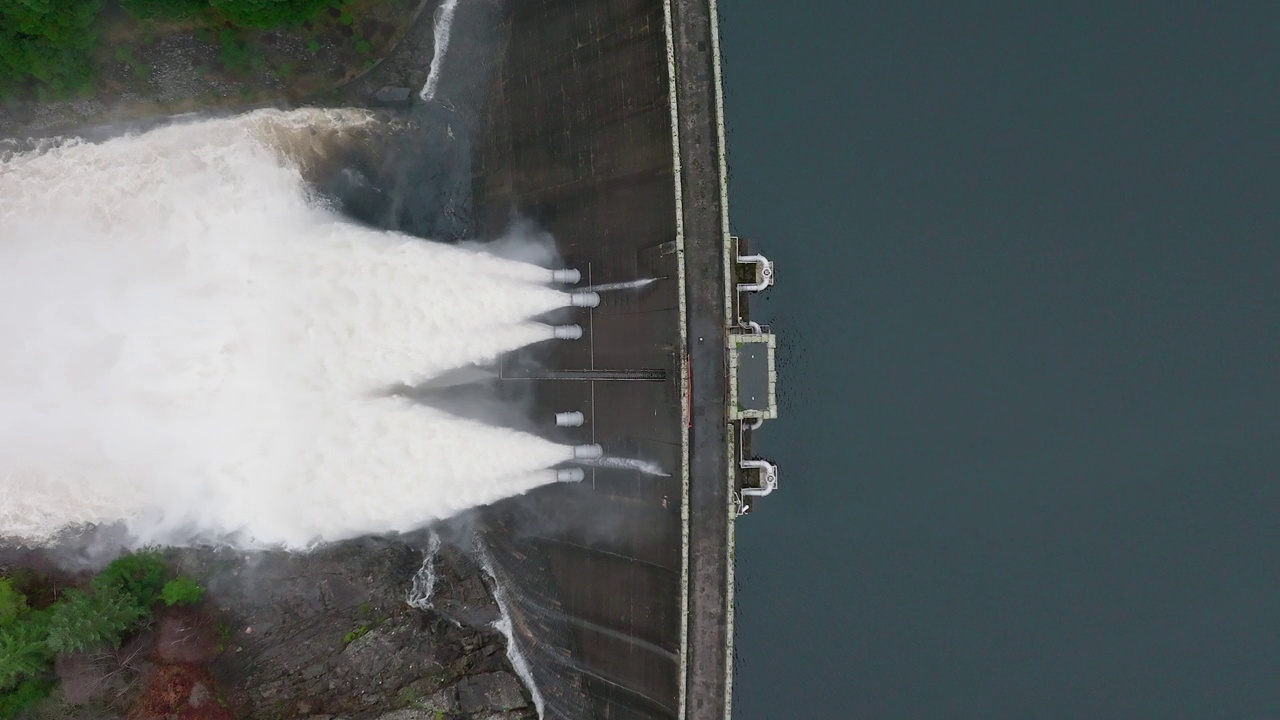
<point x="1029" y="301"/>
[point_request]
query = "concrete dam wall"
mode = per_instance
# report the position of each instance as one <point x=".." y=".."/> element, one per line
<point x="601" y="124"/>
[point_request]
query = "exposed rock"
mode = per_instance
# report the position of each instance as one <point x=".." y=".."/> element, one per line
<point x="461" y="596"/>
<point x="173" y="691"/>
<point x="492" y="691"/>
<point x="409" y="714"/>
<point x="185" y="635"/>
<point x="390" y="95"/>
<point x="446" y="700"/>
<point x="330" y="632"/>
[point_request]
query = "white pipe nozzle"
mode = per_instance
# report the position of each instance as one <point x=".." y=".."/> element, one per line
<point x="567" y="276"/>
<point x="584" y="299"/>
<point x="587" y="452"/>
<point x="567" y="332"/>
<point x="569" y="419"/>
<point x="570" y="475"/>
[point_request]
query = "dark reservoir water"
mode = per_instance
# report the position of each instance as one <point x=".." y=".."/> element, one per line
<point x="1029" y="295"/>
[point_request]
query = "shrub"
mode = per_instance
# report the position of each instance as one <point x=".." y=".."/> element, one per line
<point x="140" y="576"/>
<point x="172" y="9"/>
<point x="268" y="13"/>
<point x="24" y="652"/>
<point x="28" y="693"/>
<point x="183" y="591"/>
<point x="48" y="42"/>
<point x="83" y="621"/>
<point x="236" y="55"/>
<point x="12" y="602"/>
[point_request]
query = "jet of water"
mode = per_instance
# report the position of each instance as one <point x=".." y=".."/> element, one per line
<point x="196" y="345"/>
<point x="628" y="285"/>
<point x="617" y="463"/>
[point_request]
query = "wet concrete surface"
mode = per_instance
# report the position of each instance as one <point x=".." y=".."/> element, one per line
<point x="579" y="140"/>
<point x="556" y="116"/>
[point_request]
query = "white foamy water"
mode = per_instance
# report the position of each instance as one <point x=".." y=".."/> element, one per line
<point x="194" y="344"/>
<point x="443" y="27"/>
<point x="424" y="581"/>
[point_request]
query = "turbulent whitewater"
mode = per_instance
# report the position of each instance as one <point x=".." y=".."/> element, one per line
<point x="195" y="344"/>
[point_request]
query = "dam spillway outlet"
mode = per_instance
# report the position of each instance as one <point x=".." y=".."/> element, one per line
<point x="570" y="419"/>
<point x="584" y="299"/>
<point x="570" y="475"/>
<point x="566" y="276"/>
<point x="587" y="452"/>
<point x="567" y="332"/>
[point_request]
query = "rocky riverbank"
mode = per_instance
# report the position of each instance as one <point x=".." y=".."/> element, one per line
<point x="326" y="635"/>
<point x="152" y="69"/>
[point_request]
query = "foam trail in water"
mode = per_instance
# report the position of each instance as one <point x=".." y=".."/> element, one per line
<point x="194" y="344"/>
<point x="444" y="23"/>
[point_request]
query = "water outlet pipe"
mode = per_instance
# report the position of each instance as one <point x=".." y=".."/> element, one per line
<point x="570" y="419"/>
<point x="768" y="477"/>
<point x="567" y="276"/>
<point x="570" y="475"/>
<point x="567" y="332"/>
<point x="584" y="299"/>
<point x="587" y="452"/>
<point x="765" y="269"/>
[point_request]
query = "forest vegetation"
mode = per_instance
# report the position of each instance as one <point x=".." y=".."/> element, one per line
<point x="40" y="621"/>
<point x="48" y="46"/>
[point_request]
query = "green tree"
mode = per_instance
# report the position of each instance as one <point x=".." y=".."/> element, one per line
<point x="183" y="591"/>
<point x="28" y="693"/>
<point x="236" y="55"/>
<point x="139" y="575"/>
<point x="12" y="602"/>
<point x="24" y="652"/>
<point x="170" y="9"/>
<point x="268" y="13"/>
<point x="49" y="41"/>
<point x="85" y="621"/>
